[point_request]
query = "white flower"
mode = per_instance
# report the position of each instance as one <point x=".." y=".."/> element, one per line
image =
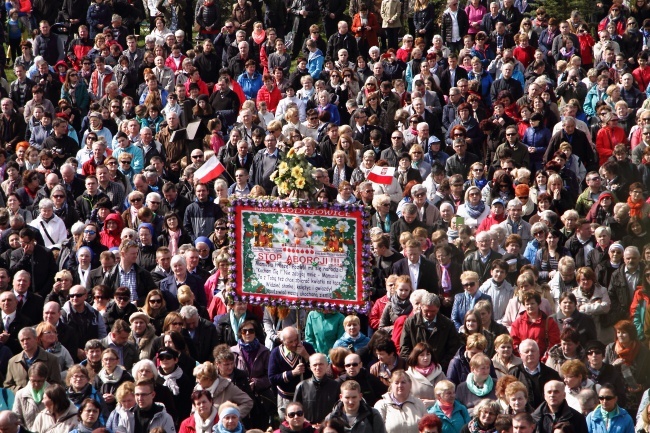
<point x="342" y="225"/>
<point x="254" y="219"/>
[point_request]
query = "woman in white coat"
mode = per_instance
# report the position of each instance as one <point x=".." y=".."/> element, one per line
<point x="28" y="402"/>
<point x="399" y="408"/>
<point x="425" y="372"/>
<point x="59" y="415"/>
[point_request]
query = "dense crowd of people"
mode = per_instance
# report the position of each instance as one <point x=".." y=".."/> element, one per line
<point x="511" y="249"/>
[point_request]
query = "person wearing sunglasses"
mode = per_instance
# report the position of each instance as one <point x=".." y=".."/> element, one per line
<point x="464" y="302"/>
<point x="602" y="373"/>
<point x="609" y="414"/>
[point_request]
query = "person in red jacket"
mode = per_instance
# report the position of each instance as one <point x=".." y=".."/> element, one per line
<point x="365" y="27"/>
<point x="497" y="215"/>
<point x="642" y="73"/>
<point x="203" y="409"/>
<point x="269" y="93"/>
<point x="110" y="235"/>
<point x="608" y="137"/>
<point x="534" y="324"/>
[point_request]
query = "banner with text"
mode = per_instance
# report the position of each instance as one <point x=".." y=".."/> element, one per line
<point x="301" y="255"/>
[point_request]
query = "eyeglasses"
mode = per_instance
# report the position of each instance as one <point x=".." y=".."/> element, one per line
<point x="165" y="357"/>
<point x="89" y="232"/>
<point x="511" y="134"/>
<point x="58" y="196"/>
<point x="221" y="228"/>
<point x="295" y="414"/>
<point x="606" y="397"/>
<point x="594" y="352"/>
<point x="123" y="298"/>
<point x="352" y="364"/>
<point x="248" y="331"/>
<point x="77" y="295"/>
<point x="135" y="200"/>
<point x="197" y="156"/>
<point x="177" y="323"/>
<point x="470" y="284"/>
<point x="109" y="359"/>
<point x="396" y="138"/>
<point x="111" y="163"/>
<point x="127" y="161"/>
<point x="155" y="301"/>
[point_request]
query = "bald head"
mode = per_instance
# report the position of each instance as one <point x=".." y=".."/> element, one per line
<point x="9" y="422"/>
<point x="52" y="312"/>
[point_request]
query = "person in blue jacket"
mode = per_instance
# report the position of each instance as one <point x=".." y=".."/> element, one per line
<point x="315" y="60"/>
<point x="536" y="138"/>
<point x="251" y="80"/>
<point x="609" y="417"/>
<point x="452" y="413"/>
<point x="353" y="339"/>
<point x="324" y="104"/>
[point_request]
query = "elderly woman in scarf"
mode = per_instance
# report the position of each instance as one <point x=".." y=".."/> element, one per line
<point x="229" y="419"/>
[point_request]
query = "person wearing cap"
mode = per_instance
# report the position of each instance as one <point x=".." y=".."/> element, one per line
<point x="179" y="382"/>
<point x="496" y="216"/>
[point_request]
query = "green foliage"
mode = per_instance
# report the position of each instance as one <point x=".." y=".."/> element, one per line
<point x="561" y="9"/>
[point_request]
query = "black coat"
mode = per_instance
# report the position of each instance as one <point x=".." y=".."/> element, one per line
<point x="204" y="339"/>
<point x="546" y="419"/>
<point x="427" y="277"/>
<point x="19" y="322"/>
<point x="535" y="384"/>
<point x="40" y="265"/>
<point x="32" y="308"/>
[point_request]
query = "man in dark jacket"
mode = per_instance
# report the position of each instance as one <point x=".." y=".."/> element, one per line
<point x="371" y="387"/>
<point x="579" y="144"/>
<point x="427" y="278"/>
<point x="533" y="373"/>
<point x="181" y="277"/>
<point x="407" y="223"/>
<point x="202" y="333"/>
<point x="506" y="82"/>
<point x="319" y="393"/>
<point x="430" y="327"/>
<point x="352" y="406"/>
<point x="480" y="261"/>
<point x="332" y="11"/>
<point x="37" y="260"/>
<point x="622" y="285"/>
<point x="555" y="410"/>
<point x="265" y="163"/>
<point x="225" y="102"/>
<point x="201" y="215"/>
<point x="12" y="124"/>
<point x="601" y="373"/>
<point x="343" y="39"/>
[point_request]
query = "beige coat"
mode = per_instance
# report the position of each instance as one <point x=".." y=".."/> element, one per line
<point x="391" y="10"/>
<point x="404" y="419"/>
<point x="145" y="343"/>
<point x="26" y="408"/>
<point x="422" y="387"/>
<point x="67" y="421"/>
<point x="17" y="370"/>
<point x="224" y="390"/>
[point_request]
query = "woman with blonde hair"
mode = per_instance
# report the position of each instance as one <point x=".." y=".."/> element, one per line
<point x="341" y="170"/>
<point x="452" y="413"/>
<point x="47" y="337"/>
<point x="504" y="358"/>
<point x="517" y="398"/>
<point x="125" y="396"/>
<point x="399" y="408"/>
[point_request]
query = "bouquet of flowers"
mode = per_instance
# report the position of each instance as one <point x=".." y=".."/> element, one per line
<point x="294" y="175"/>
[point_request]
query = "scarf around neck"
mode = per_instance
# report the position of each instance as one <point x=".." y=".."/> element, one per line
<point x="38" y="395"/>
<point x="628" y="354"/>
<point x="111" y="378"/>
<point x="635" y="207"/>
<point x="400" y="307"/>
<point x="474" y="389"/>
<point x="426" y="371"/>
<point x="475" y="211"/>
<point x="171" y="378"/>
<point x="205" y="426"/>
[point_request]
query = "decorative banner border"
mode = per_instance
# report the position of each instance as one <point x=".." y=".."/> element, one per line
<point x="340" y="247"/>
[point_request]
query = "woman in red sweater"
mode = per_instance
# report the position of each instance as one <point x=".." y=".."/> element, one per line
<point x="533" y="323"/>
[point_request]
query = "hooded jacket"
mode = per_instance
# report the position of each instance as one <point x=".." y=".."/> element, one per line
<point x="126" y="421"/>
<point x="368" y="419"/>
<point x="112" y="239"/>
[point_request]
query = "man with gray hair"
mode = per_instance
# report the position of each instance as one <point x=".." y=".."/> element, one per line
<point x="319" y="393"/>
<point x="514" y="224"/>
<point x="430" y="327"/>
<point x="10" y="423"/>
<point x="17" y="377"/>
<point x="532" y="372"/>
<point x="406" y="223"/>
<point x="202" y="332"/>
<point x="622" y="285"/>
<point x="480" y="261"/>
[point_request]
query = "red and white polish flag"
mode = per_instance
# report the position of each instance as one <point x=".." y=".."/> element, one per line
<point x="382" y="175"/>
<point x="211" y="169"/>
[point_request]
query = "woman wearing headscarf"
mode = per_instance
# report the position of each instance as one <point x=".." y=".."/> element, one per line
<point x="229" y="419"/>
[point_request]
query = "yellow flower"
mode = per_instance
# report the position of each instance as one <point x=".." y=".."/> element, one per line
<point x="300" y="182"/>
<point x="284" y="188"/>
<point x="296" y="171"/>
<point x="274" y="175"/>
<point x="291" y="152"/>
<point x="283" y="168"/>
